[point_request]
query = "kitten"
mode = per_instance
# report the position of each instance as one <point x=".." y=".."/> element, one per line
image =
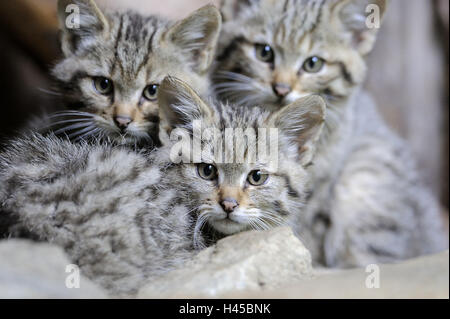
<point x="239" y="188"/>
<point x="114" y="62"/>
<point x="126" y="217"/>
<point x="367" y="202"/>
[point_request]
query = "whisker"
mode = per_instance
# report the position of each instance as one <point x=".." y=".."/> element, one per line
<point x="201" y="220"/>
<point x="72" y="127"/>
<point x="89" y="133"/>
<point x="70" y="113"/>
<point x="49" y="92"/>
<point x="66" y="121"/>
<point x="232" y="76"/>
<point x="253" y="225"/>
<point x="260" y="223"/>
<point x="77" y="133"/>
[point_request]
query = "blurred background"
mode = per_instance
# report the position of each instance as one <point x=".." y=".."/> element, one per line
<point x="408" y="70"/>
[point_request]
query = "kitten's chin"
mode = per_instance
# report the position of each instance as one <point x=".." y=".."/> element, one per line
<point x="227" y="226"/>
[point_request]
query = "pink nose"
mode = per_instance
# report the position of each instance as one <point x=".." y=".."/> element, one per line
<point x="281" y="89"/>
<point x="122" y="121"/>
<point x="229" y="204"/>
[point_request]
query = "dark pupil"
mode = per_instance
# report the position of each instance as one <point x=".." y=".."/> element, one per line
<point x="104" y="84"/>
<point x="207" y="170"/>
<point x="256" y="176"/>
<point x="312" y="62"/>
<point x="152" y="89"/>
<point x="266" y="51"/>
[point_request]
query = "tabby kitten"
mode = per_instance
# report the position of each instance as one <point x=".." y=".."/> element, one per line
<point x="113" y="65"/>
<point x="236" y="188"/>
<point x="367" y="203"/>
<point x="126" y="217"/>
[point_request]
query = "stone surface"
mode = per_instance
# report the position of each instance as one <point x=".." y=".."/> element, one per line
<point x="247" y="261"/>
<point x="271" y="264"/>
<point x="424" y="277"/>
<point x="38" y="270"/>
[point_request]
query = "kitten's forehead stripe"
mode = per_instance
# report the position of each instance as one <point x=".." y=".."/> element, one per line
<point x="135" y="42"/>
<point x="298" y="19"/>
<point x="118" y="38"/>
<point x="149" y="49"/>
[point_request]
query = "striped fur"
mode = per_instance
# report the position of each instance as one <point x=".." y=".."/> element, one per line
<point x="274" y="203"/>
<point x="133" y="52"/>
<point x="367" y="203"/>
<point x="112" y="210"/>
<point x="126" y="217"/>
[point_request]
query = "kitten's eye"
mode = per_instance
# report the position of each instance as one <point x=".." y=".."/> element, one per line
<point x="264" y="52"/>
<point x="151" y="92"/>
<point x="257" y="178"/>
<point x="207" y="171"/>
<point x="103" y="85"/>
<point x="313" y="64"/>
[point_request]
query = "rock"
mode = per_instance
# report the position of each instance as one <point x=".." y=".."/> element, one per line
<point x="38" y="270"/>
<point x="272" y="264"/>
<point x="247" y="261"/>
<point x="424" y="277"/>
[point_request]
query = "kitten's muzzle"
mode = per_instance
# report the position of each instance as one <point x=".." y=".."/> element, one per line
<point x="281" y="89"/>
<point x="229" y="204"/>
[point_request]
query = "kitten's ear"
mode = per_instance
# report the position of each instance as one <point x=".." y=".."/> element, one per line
<point x="361" y="19"/>
<point x="179" y="105"/>
<point x="300" y="125"/>
<point x="80" y="21"/>
<point x="197" y="35"/>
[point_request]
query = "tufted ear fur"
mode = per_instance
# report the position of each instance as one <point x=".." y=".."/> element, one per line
<point x="197" y="35"/>
<point x="358" y="18"/>
<point x="81" y="21"/>
<point x="300" y="125"/>
<point x="179" y="105"/>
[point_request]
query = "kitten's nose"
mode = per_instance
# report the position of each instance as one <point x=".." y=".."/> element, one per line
<point x="122" y="121"/>
<point x="281" y="89"/>
<point x="229" y="204"/>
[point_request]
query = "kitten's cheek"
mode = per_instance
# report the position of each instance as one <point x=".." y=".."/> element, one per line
<point x="150" y="112"/>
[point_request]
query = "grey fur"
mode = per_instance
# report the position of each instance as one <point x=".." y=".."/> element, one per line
<point x="125" y="217"/>
<point x="112" y="210"/>
<point x="367" y="203"/>
<point x="132" y="51"/>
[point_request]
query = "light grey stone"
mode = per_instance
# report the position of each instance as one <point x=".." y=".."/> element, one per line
<point x="247" y="261"/>
<point x="425" y="277"/>
<point x="38" y="270"/>
<point x="272" y="264"/>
